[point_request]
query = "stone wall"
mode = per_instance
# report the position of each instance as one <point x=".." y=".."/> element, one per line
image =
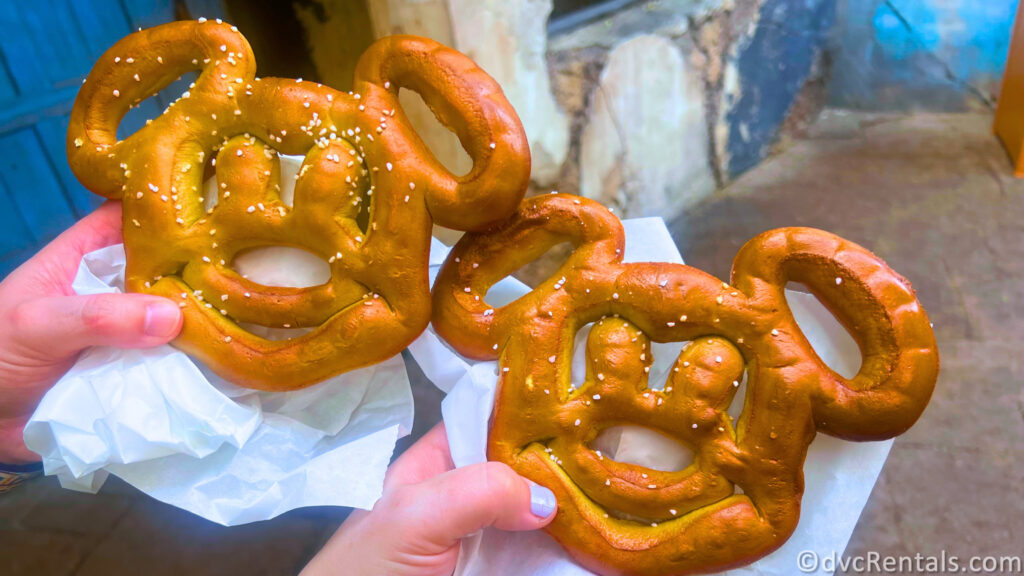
<point x="648" y="109"/>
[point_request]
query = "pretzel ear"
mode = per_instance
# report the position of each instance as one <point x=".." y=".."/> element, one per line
<point x="876" y="305"/>
<point x="478" y="261"/>
<point x="470" y="103"/>
<point x="135" y="68"/>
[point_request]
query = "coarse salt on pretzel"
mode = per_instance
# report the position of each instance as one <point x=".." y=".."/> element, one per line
<point x="740" y="499"/>
<point x="356" y="145"/>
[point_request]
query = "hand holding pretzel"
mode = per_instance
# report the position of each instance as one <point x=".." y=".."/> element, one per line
<point x="181" y="241"/>
<point x="618" y="518"/>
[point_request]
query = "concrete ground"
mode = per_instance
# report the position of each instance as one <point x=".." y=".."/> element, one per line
<point x="935" y="197"/>
<point x="931" y="194"/>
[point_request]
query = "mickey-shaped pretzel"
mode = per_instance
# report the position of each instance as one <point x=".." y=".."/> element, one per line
<point x="618" y="518"/>
<point x="359" y="143"/>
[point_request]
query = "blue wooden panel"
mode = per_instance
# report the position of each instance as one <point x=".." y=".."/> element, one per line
<point x="7" y="91"/>
<point x="32" y="185"/>
<point x="46" y="48"/>
<point x="20" y="51"/>
<point x="14" y="235"/>
<point x="9" y="263"/>
<point x="27" y="109"/>
<point x="53" y="132"/>
<point x="58" y="40"/>
<point x="147" y="13"/>
<point x="104" y="22"/>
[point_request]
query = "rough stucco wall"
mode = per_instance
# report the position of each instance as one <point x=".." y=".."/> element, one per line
<point x="944" y="55"/>
<point x="772" y="67"/>
<point x="758" y="60"/>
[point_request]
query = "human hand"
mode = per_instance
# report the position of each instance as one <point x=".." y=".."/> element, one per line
<point x="45" y="325"/>
<point x="426" y="509"/>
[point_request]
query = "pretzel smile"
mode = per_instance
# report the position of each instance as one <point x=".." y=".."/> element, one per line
<point x="628" y="493"/>
<point x="280" y="306"/>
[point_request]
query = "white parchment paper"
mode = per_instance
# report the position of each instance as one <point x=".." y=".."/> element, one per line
<point x="839" y="475"/>
<point x="166" y="425"/>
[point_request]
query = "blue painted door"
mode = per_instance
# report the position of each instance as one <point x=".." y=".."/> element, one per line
<point x="46" y="50"/>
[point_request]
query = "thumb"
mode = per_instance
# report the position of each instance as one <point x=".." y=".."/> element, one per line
<point x="460" y="502"/>
<point x="60" y="326"/>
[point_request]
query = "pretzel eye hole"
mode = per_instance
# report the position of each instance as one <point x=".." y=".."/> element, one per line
<point x="442" y="142"/>
<point x="153" y="106"/>
<point x="835" y="345"/>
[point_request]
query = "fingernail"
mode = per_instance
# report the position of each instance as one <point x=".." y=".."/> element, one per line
<point x="542" y="501"/>
<point x="161" y="319"/>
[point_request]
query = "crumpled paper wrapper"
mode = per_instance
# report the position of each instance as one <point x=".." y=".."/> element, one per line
<point x="838" y="475"/>
<point x="165" y="424"/>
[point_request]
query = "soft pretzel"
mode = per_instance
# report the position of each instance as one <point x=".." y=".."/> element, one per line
<point x="355" y="144"/>
<point x="618" y="518"/>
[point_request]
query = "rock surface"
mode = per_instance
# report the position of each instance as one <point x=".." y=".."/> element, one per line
<point x="648" y="108"/>
<point x="644" y="150"/>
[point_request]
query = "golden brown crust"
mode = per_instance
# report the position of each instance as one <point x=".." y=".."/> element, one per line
<point x="694" y="520"/>
<point x="377" y="300"/>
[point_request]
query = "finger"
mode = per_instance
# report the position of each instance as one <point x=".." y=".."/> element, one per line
<point x="428" y="457"/>
<point x="59" y="326"/>
<point x="453" y="505"/>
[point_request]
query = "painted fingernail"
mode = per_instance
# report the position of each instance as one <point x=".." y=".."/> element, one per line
<point x="161" y="319"/>
<point x="542" y="501"/>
